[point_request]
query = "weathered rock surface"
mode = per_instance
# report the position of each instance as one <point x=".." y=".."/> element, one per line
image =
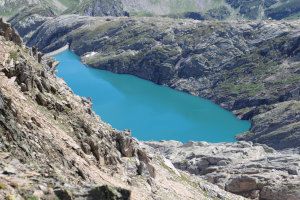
<point x="100" y="8"/>
<point x="29" y="181"/>
<point x="10" y="34"/>
<point x="195" y="9"/>
<point x="50" y="132"/>
<point x="31" y="18"/>
<point x="249" y="68"/>
<point x="9" y="8"/>
<point x="252" y="170"/>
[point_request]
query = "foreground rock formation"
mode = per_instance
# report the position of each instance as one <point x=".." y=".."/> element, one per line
<point x="52" y="144"/>
<point x="249" y="68"/>
<point x="254" y="171"/>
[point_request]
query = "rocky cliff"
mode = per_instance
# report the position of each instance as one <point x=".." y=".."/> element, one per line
<point x="53" y="145"/>
<point x="250" y="68"/>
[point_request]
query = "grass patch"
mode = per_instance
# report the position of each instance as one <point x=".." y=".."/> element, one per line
<point x="32" y="197"/>
<point x="13" y="55"/>
<point x="2" y="186"/>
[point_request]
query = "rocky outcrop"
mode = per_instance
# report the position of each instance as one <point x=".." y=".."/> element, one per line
<point x="10" y="34"/>
<point x="9" y="8"/>
<point x="100" y="8"/>
<point x="29" y="19"/>
<point x="56" y="146"/>
<point x="283" y="130"/>
<point x="249" y="68"/>
<point x="30" y="181"/>
<point x="252" y="170"/>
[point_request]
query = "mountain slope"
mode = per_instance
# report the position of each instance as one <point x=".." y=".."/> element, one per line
<point x="237" y="9"/>
<point x="248" y="68"/>
<point x="52" y="144"/>
<point x="196" y="9"/>
<point x="8" y="8"/>
<point x="99" y="8"/>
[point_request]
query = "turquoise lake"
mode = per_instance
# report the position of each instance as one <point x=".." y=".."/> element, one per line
<point x="150" y="111"/>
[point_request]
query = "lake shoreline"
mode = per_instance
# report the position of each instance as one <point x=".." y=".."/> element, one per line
<point x="58" y="51"/>
<point x="129" y="98"/>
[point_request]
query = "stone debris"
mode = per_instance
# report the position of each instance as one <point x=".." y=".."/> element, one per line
<point x="252" y="170"/>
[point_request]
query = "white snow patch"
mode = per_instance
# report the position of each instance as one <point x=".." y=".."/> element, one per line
<point x="90" y="54"/>
<point x="169" y="164"/>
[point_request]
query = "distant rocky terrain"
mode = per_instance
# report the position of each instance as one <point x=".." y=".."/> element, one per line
<point x="99" y="8"/>
<point x="216" y="9"/>
<point x="8" y="8"/>
<point x="195" y="9"/>
<point x="250" y="68"/>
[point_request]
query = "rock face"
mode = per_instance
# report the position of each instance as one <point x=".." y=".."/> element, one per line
<point x="34" y="17"/>
<point x="252" y="170"/>
<point x="283" y="130"/>
<point x="9" y="8"/>
<point x="100" y="8"/>
<point x="9" y="34"/>
<point x="57" y="147"/>
<point x="36" y="182"/>
<point x="249" y="68"/>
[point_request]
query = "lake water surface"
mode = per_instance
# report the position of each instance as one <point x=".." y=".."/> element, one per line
<point x="152" y="112"/>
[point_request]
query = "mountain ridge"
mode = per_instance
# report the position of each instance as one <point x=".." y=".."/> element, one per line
<point x="195" y="9"/>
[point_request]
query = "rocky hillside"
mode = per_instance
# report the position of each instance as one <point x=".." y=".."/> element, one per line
<point x="251" y="69"/>
<point x="99" y="8"/>
<point x="195" y="9"/>
<point x="53" y="145"/>
<point x="8" y="8"/>
<point x="216" y="9"/>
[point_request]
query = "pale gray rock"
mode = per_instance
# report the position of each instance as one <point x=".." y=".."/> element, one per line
<point x="243" y="168"/>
